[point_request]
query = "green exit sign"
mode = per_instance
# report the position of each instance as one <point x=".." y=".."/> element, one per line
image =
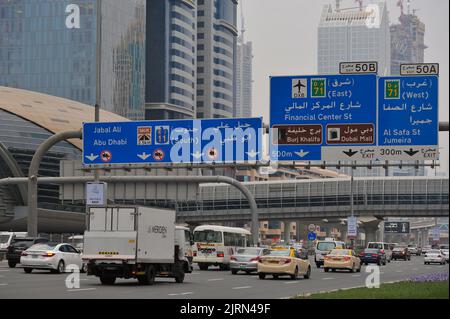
<point x="318" y="88"/>
<point x="392" y="89"/>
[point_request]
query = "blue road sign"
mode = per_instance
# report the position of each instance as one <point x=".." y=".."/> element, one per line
<point x="311" y="112"/>
<point x="408" y="111"/>
<point x="173" y="141"/>
<point x="312" y="236"/>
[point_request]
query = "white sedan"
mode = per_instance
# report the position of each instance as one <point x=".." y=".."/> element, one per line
<point x="434" y="256"/>
<point x="51" y="256"/>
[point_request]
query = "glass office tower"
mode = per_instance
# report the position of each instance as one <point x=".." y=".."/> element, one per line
<point x="171" y="59"/>
<point x="50" y="46"/>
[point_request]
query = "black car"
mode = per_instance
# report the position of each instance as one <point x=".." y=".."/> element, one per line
<point x="19" y="245"/>
<point x="401" y="253"/>
<point x="373" y="256"/>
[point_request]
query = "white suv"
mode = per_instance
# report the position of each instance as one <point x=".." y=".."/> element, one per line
<point x="324" y="247"/>
<point x="384" y="247"/>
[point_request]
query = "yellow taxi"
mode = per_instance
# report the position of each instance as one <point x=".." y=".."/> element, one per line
<point x="342" y="259"/>
<point x="283" y="261"/>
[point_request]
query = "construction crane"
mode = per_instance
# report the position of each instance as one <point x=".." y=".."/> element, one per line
<point x="400" y="5"/>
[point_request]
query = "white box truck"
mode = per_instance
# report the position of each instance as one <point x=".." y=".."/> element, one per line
<point x="135" y="242"/>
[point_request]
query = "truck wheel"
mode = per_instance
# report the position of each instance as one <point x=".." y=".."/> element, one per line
<point x="203" y="266"/>
<point x="107" y="280"/>
<point x="12" y="264"/>
<point x="179" y="277"/>
<point x="149" y="277"/>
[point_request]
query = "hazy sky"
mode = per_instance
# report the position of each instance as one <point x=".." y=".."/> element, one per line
<point x="284" y="36"/>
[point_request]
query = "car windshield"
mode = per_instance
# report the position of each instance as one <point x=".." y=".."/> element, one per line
<point x="43" y="247"/>
<point x="248" y="251"/>
<point x="4" y="239"/>
<point x="398" y="249"/>
<point x="284" y="253"/>
<point x="326" y="246"/>
<point x="375" y="246"/>
<point x="208" y="236"/>
<point x="340" y="252"/>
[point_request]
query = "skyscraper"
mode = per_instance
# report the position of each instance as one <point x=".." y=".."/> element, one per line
<point x="171" y="59"/>
<point x="407" y="42"/>
<point x="216" y="58"/>
<point x="347" y="35"/>
<point x="243" y="105"/>
<point x="51" y="47"/>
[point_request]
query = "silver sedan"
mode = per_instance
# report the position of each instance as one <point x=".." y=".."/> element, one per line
<point x="246" y="259"/>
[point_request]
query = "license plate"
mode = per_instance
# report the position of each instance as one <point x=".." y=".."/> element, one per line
<point x="243" y="266"/>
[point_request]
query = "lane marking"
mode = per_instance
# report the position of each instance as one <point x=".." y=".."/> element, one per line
<point x="415" y="269"/>
<point x="182" y="294"/>
<point x="195" y="273"/>
<point x="356" y="275"/>
<point x="216" y="279"/>
<point x="328" y="278"/>
<point x="5" y="270"/>
<point x="77" y="290"/>
<point x="399" y="271"/>
<point x="3" y="285"/>
<point x="244" y="287"/>
<point x="291" y="282"/>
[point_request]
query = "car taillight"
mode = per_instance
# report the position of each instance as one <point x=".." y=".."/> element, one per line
<point x="347" y="258"/>
<point x="220" y="254"/>
<point x="194" y="254"/>
<point x="374" y="255"/>
<point x="255" y="259"/>
<point x="285" y="261"/>
<point x="233" y="258"/>
<point x="361" y="253"/>
<point x="48" y="255"/>
<point x="382" y="251"/>
<point x="24" y="254"/>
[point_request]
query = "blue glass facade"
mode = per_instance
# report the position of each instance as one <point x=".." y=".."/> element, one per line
<point x="171" y="59"/>
<point x="39" y="52"/>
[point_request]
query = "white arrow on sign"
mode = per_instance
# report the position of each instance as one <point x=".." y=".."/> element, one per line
<point x="198" y="155"/>
<point x="92" y="157"/>
<point x="252" y="154"/>
<point x="143" y="156"/>
<point x="302" y="153"/>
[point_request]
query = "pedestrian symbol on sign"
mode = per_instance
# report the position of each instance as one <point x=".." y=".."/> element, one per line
<point x="162" y="135"/>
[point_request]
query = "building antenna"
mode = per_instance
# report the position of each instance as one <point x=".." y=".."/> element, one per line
<point x="338" y="5"/>
<point x="242" y="23"/>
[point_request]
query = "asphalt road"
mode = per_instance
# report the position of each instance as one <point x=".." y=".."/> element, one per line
<point x="211" y="284"/>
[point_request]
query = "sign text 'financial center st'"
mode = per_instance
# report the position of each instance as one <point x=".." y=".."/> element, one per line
<point x="354" y="117"/>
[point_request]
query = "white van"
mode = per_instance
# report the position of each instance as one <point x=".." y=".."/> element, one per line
<point x="386" y="247"/>
<point x="324" y="247"/>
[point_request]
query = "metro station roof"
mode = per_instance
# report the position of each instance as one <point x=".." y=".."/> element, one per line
<point x="52" y="113"/>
